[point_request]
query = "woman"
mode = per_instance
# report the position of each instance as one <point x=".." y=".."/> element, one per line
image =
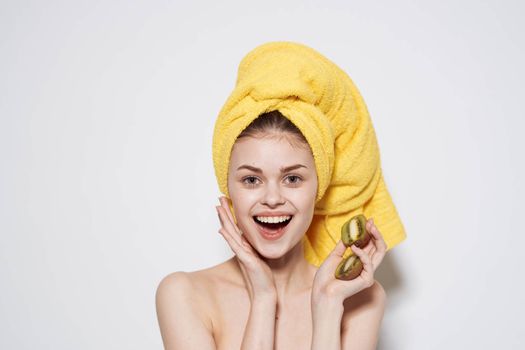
<point x="284" y="206"/>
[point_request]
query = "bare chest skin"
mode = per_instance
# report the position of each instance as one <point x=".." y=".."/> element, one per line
<point x="227" y="304"/>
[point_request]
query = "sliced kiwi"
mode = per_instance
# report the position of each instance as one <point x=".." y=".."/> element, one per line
<point x="349" y="268"/>
<point x="354" y="232"/>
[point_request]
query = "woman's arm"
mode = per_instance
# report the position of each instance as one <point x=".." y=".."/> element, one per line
<point x="362" y="318"/>
<point x="258" y="278"/>
<point x="326" y="319"/>
<point x="363" y="326"/>
<point x="354" y="325"/>
<point x="182" y="324"/>
<point x="260" y="330"/>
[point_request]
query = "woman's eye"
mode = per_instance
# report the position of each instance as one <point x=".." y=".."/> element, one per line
<point x="249" y="183"/>
<point x="294" y="177"/>
<point x="252" y="180"/>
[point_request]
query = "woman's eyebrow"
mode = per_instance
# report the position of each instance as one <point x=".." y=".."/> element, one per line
<point x="283" y="169"/>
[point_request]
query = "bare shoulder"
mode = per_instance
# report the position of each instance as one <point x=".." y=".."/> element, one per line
<point x="185" y="305"/>
<point x="199" y="288"/>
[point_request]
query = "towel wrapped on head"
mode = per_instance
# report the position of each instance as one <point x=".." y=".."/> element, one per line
<point x="325" y="105"/>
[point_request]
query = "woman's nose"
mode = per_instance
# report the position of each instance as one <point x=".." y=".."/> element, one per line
<point x="273" y="195"/>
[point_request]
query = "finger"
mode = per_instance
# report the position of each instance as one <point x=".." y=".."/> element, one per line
<point x="248" y="245"/>
<point x="378" y="238"/>
<point x="227" y="225"/>
<point x="339" y="250"/>
<point x="369" y="247"/>
<point x="225" y="204"/>
<point x="376" y="260"/>
<point x="244" y="241"/>
<point x="369" y="224"/>
<point x="372" y="251"/>
<point x="365" y="259"/>
<point x="227" y="210"/>
<point x="247" y="259"/>
<point x="234" y="245"/>
<point x="378" y="254"/>
<point x="238" y="238"/>
<point x="376" y="257"/>
<point x="335" y="256"/>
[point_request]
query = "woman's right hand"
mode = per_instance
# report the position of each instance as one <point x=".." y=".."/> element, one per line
<point x="257" y="274"/>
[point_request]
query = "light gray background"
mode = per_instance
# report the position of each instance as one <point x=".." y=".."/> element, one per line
<point x="106" y="185"/>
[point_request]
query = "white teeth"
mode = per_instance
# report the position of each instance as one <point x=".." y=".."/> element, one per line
<point x="272" y="219"/>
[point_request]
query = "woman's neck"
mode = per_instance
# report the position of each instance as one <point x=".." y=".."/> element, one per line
<point x="292" y="273"/>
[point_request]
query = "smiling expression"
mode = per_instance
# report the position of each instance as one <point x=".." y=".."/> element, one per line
<point x="272" y="174"/>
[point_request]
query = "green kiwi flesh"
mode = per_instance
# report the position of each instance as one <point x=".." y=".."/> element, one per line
<point x="354" y="232"/>
<point x="349" y="268"/>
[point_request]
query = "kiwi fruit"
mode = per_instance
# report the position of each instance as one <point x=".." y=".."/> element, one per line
<point x="353" y="231"/>
<point x="349" y="268"/>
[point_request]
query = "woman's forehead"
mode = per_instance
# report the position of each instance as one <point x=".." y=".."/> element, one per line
<point x="252" y="147"/>
<point x="269" y="153"/>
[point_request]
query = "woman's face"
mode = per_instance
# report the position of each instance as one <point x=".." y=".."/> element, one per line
<point x="269" y="190"/>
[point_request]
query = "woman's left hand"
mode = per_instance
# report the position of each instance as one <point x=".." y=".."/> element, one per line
<point x="327" y="287"/>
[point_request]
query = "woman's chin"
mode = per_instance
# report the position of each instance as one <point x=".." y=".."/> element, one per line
<point x="271" y="251"/>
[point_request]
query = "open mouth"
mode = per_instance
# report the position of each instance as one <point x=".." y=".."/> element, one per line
<point x="273" y="226"/>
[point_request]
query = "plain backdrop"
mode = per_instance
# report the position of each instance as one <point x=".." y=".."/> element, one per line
<point x="107" y="111"/>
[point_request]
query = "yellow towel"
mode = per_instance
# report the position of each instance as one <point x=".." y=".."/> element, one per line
<point x="323" y="102"/>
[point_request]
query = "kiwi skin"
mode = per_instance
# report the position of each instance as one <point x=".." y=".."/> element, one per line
<point x="349" y="268"/>
<point x="363" y="237"/>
